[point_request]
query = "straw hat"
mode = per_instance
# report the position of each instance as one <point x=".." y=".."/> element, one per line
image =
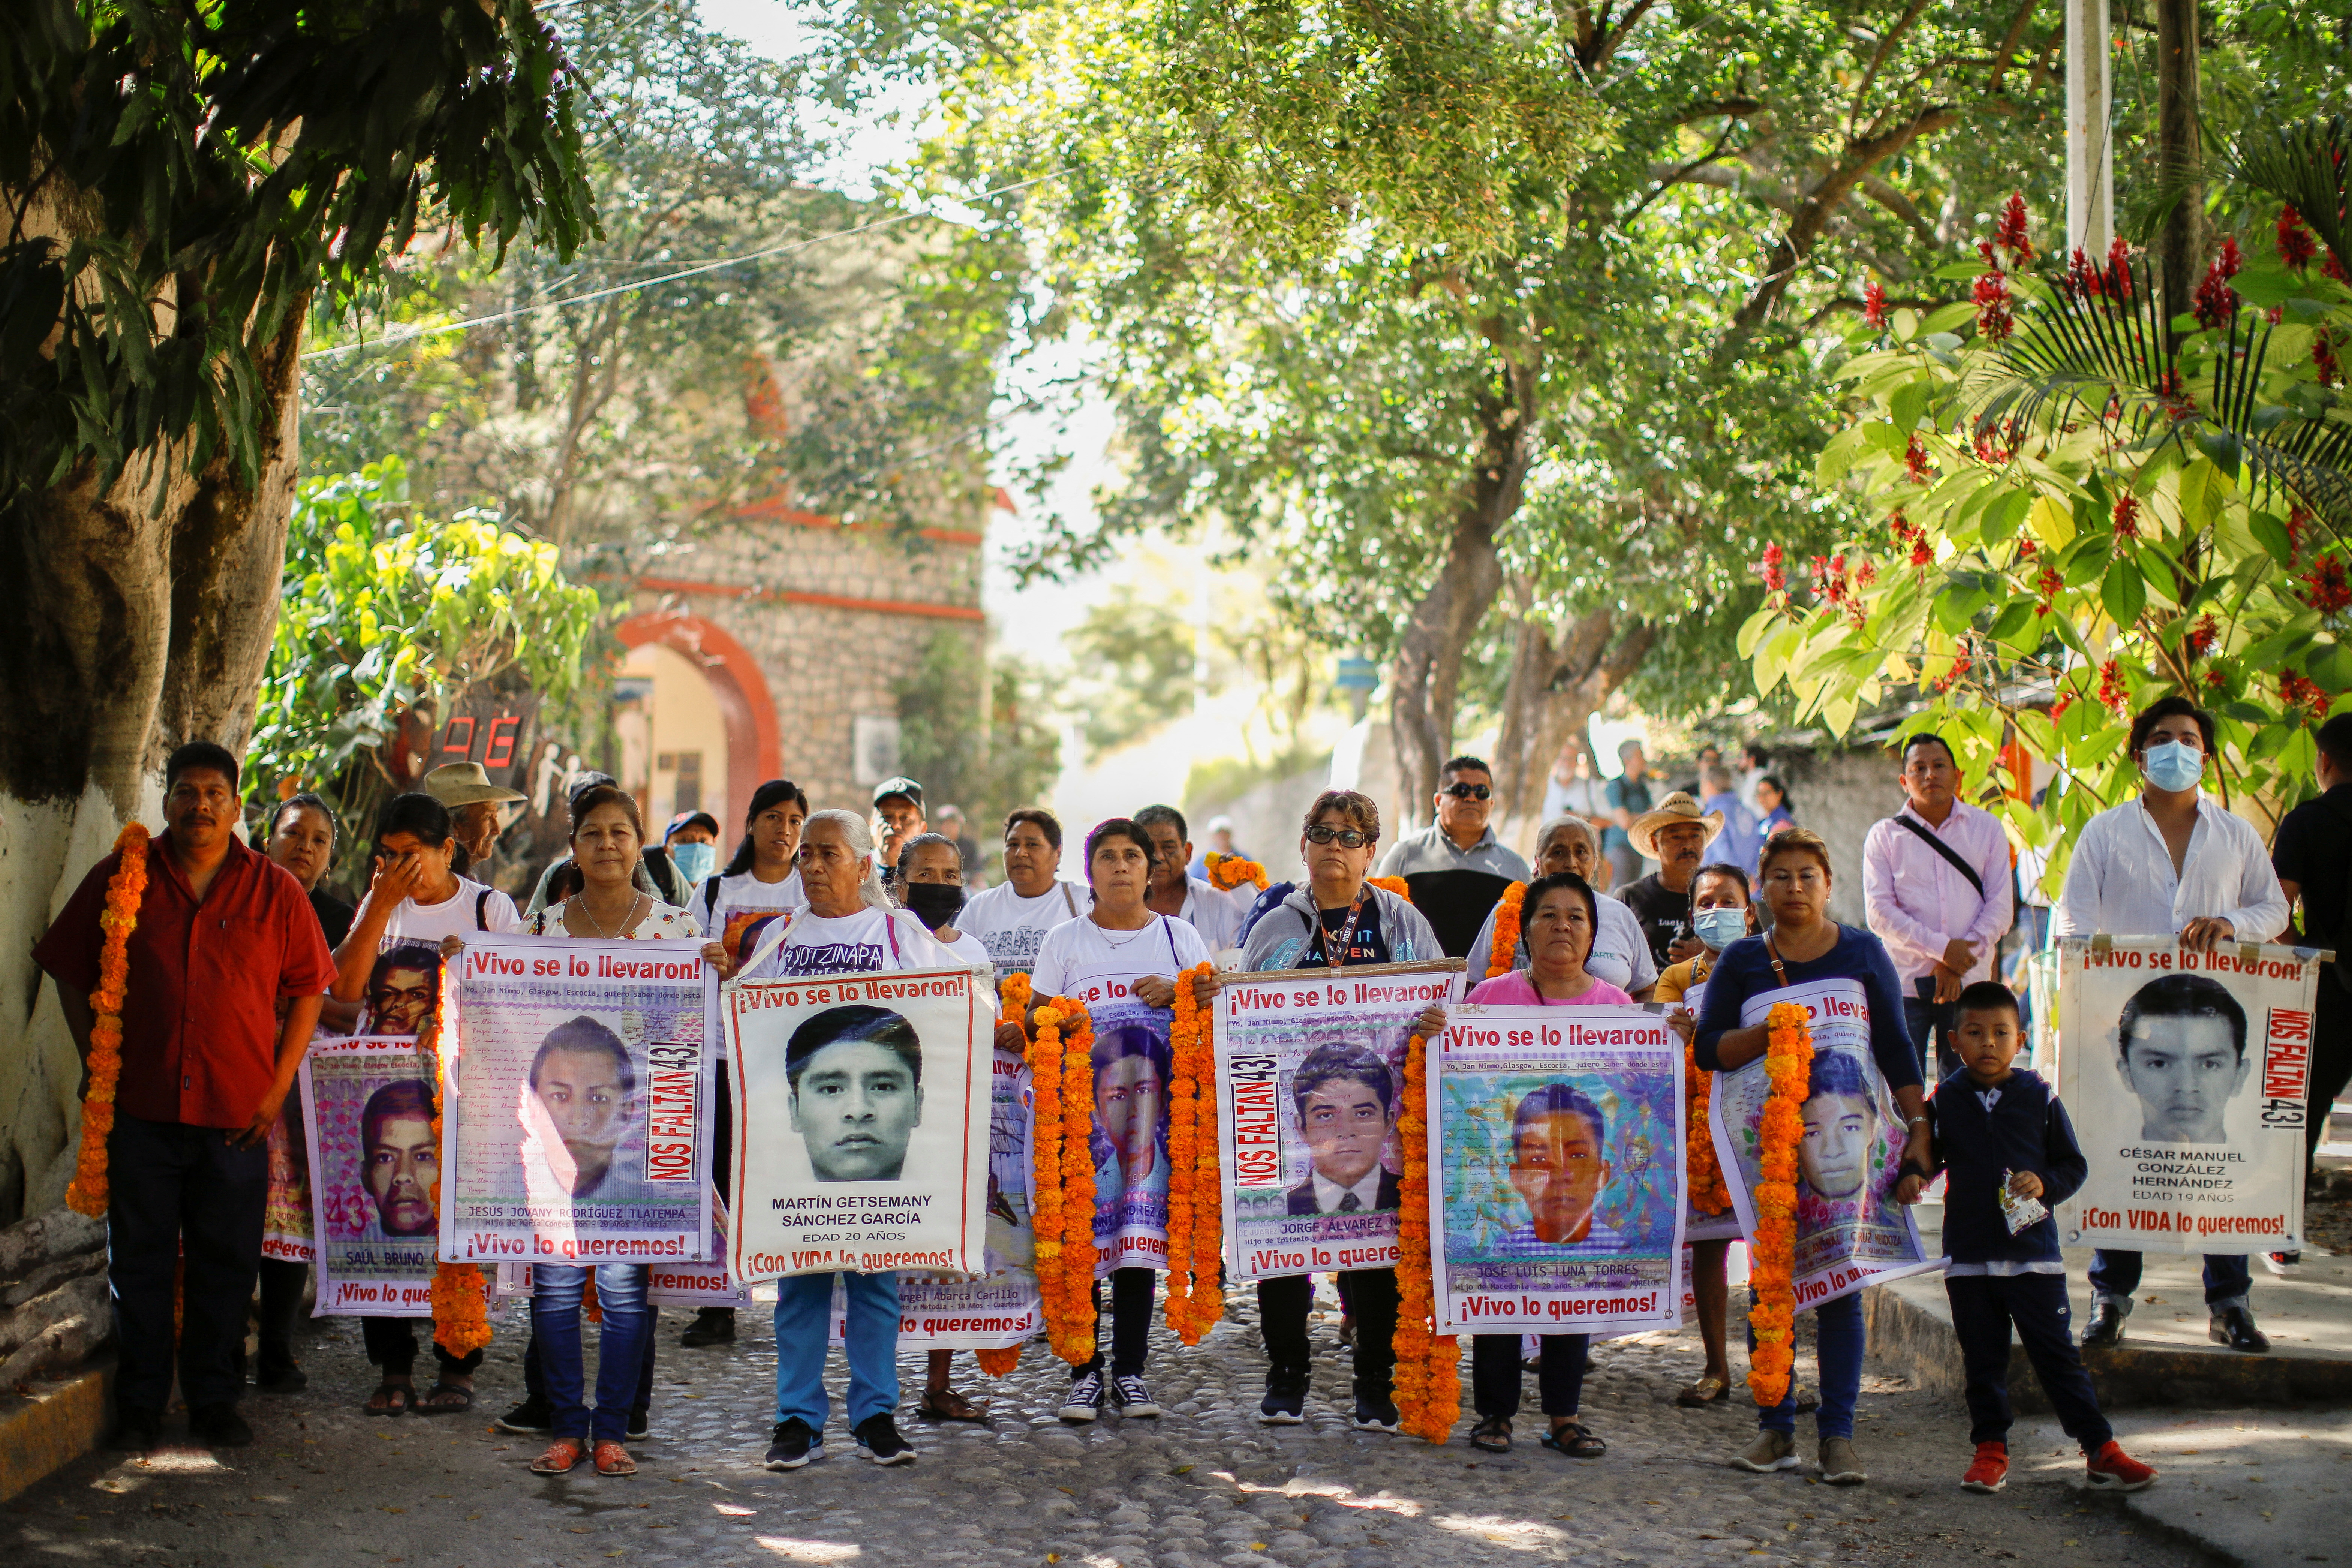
<point x="464" y="784"/>
<point x="1675" y="808"/>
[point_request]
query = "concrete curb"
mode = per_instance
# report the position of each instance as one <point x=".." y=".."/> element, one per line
<point x="56" y="1422"/>
<point x="1910" y="1328"/>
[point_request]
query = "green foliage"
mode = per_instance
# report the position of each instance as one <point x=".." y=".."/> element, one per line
<point x="204" y="165"/>
<point x="380" y="611"/>
<point x="987" y="759"/>
<point x="1134" y="653"/>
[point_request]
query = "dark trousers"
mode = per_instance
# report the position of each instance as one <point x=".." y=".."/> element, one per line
<point x="1984" y="1307"/>
<point x="1282" y="1307"/>
<point x="723" y="1140"/>
<point x="281" y="1305"/>
<point x="181" y="1193"/>
<point x="1495" y="1373"/>
<point x="2331" y="1057"/>
<point x="391" y="1344"/>
<point x="2116" y="1275"/>
<point x="534" y="1376"/>
<point x="1130" y="1323"/>
<point x="1937" y="1060"/>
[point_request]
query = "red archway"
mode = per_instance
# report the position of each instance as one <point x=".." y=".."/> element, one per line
<point x="753" y="753"/>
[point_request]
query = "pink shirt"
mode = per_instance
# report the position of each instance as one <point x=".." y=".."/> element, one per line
<point x="1916" y="901"/>
<point x="1516" y="990"/>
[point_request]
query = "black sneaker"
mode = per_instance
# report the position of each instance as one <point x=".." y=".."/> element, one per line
<point x="219" y="1426"/>
<point x="1284" y="1404"/>
<point x="1085" y="1400"/>
<point x="796" y="1445"/>
<point x="1379" y="1416"/>
<point x="531" y="1419"/>
<point x="1129" y="1397"/>
<point x="279" y="1374"/>
<point x="136" y="1432"/>
<point x="712" y="1326"/>
<point x="641" y="1425"/>
<point x="878" y="1440"/>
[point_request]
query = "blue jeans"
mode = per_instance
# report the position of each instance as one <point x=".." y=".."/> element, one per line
<point x="620" y="1349"/>
<point x="803" y="1324"/>
<point x="2115" y="1274"/>
<point x="1838" y="1328"/>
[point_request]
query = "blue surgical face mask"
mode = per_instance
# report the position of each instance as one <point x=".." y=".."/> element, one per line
<point x="694" y="861"/>
<point x="2173" y="766"/>
<point x="1719" y="928"/>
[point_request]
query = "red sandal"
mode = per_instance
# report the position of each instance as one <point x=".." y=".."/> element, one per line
<point x="562" y="1456"/>
<point x="613" y="1459"/>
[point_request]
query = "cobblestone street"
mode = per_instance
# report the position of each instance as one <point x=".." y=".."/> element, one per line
<point x="1205" y="1483"/>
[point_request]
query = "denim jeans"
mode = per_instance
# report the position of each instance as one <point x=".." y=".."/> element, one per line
<point x="534" y="1383"/>
<point x="620" y="1349"/>
<point x="803" y="1324"/>
<point x="1838" y="1328"/>
<point x="2115" y="1274"/>
<point x="178" y="1193"/>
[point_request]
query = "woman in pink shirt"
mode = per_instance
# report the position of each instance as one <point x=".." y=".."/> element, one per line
<point x="1558" y="918"/>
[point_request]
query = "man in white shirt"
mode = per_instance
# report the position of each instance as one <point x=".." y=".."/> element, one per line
<point x="1011" y="920"/>
<point x="1935" y="890"/>
<point x="2172" y="861"/>
<point x="1216" y="915"/>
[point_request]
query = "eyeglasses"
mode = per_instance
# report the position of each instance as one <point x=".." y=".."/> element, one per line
<point x="1469" y="792"/>
<point x="1346" y="837"/>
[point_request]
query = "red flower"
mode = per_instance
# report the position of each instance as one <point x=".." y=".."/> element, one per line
<point x="2119" y="267"/>
<point x="1915" y="461"/>
<point x="2298" y="523"/>
<point x="2230" y="257"/>
<point x="2058" y="708"/>
<point x="2295" y="245"/>
<point x="2216" y="301"/>
<point x="2010" y="232"/>
<point x="2048" y="583"/>
<point x="2112" y="690"/>
<point x="2127" y="516"/>
<point x="1775" y="579"/>
<point x="2322" y="358"/>
<point x="1995" y="319"/>
<point x="2215" y="679"/>
<point x="2083" y="277"/>
<point x="2295" y="691"/>
<point x="2027" y="550"/>
<point x="1866" y="574"/>
<point x="1922" y="552"/>
<point x="2325" y="588"/>
<point x="1959" y="669"/>
<point x="2202" y="636"/>
<point x="2333" y="267"/>
<point x="1874" y="306"/>
<point x="1898" y="523"/>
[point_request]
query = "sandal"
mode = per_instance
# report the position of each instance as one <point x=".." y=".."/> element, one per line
<point x="445" y="1399"/>
<point x="391" y="1398"/>
<point x="1808" y="1401"/>
<point x="613" y="1459"/>
<point x="561" y="1457"/>
<point x="1576" y="1440"/>
<point x="947" y="1405"/>
<point x="1707" y="1390"/>
<point x="1491" y="1435"/>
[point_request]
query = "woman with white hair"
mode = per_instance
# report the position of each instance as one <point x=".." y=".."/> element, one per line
<point x="849" y="926"/>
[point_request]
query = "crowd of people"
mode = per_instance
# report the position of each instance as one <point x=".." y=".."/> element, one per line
<point x="239" y="958"/>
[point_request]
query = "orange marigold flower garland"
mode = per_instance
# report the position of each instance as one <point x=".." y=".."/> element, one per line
<point x="461" y="1300"/>
<point x="1788" y="1062"/>
<point x="1045" y="1159"/>
<point x="1393" y="884"/>
<point x="1227" y="872"/>
<point x="1206" y="1296"/>
<point x="1014" y="991"/>
<point x="86" y="1194"/>
<point x="1507" y="930"/>
<point x="997" y="1363"/>
<point x="1079" y="1180"/>
<point x="1708" y="1194"/>
<point x="1428" y="1376"/>
<point x="1183" y="1103"/>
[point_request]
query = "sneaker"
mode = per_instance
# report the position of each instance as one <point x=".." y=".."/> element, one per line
<point x="281" y="1377"/>
<point x="530" y="1418"/>
<point x="2282" y="1263"/>
<point x="796" y="1445"/>
<point x="2113" y="1471"/>
<point x="1284" y="1404"/>
<point x="641" y="1424"/>
<point x="1988" y="1471"/>
<point x="1085" y="1400"/>
<point x="1841" y="1466"/>
<point x="1771" y="1451"/>
<point x="219" y="1426"/>
<point x="1129" y="1397"/>
<point x="712" y="1326"/>
<point x="878" y="1440"/>
<point x="136" y="1432"/>
<point x="1375" y="1415"/>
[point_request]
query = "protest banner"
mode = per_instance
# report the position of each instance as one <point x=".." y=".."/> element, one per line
<point x="375" y="1187"/>
<point x="1309" y="1087"/>
<point x="1697" y="1227"/>
<point x="287" y="1235"/>
<point x="2185" y="1074"/>
<point x="578" y="1109"/>
<point x="872" y="1143"/>
<point x="667" y="1284"/>
<point x="1850" y="1230"/>
<point x="1556" y="1170"/>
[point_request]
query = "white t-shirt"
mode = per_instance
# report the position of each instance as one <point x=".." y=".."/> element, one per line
<point x="967" y="948"/>
<point x="742" y="898"/>
<point x="1214" y="914"/>
<point x="453" y="916"/>
<point x="860" y="943"/>
<point x="1011" y="928"/>
<point x="654" y="919"/>
<point x="1082" y="960"/>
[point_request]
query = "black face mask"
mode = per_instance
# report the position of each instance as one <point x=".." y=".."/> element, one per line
<point x="934" y="903"/>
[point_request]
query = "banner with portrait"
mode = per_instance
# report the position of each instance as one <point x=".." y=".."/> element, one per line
<point x="667" y="1284"/>
<point x="2185" y="1075"/>
<point x="1309" y="1086"/>
<point x="1850" y="1230"/>
<point x="287" y="1235"/>
<point x="1697" y="1227"/>
<point x="872" y="1149"/>
<point x="578" y="1116"/>
<point x="1556" y="1170"/>
<point x="375" y="1187"/>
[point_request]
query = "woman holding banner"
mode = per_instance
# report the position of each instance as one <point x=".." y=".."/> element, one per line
<point x="1561" y="915"/>
<point x="1807" y="952"/>
<point x="1122" y="961"/>
<point x="1720" y="915"/>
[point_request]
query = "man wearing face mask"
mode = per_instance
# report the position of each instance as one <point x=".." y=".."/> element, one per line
<point x="2172" y="861"/>
<point x="692" y="840"/>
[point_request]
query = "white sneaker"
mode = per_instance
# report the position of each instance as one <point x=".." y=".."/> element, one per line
<point x="1084" y="1400"/>
<point x="2282" y="1263"/>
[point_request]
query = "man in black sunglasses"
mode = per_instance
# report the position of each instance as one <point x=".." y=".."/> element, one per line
<point x="1456" y="869"/>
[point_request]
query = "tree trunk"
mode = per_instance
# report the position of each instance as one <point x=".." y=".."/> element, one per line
<point x="1555" y="685"/>
<point x="2179" y="244"/>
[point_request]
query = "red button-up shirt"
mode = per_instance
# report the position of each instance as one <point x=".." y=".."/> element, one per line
<point x="200" y="1016"/>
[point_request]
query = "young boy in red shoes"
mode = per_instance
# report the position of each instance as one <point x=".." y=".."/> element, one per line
<point x="2010" y="1152"/>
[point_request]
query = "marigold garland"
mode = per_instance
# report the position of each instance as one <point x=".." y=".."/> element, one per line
<point x="1044" y="1159"/>
<point x="997" y="1363"/>
<point x="1078" y="1258"/>
<point x="1788" y="1062"/>
<point x="1428" y="1373"/>
<point x="1062" y="1214"/>
<point x="1396" y="885"/>
<point x="1183" y="1104"/>
<point x="1708" y="1194"/>
<point x="86" y="1194"/>
<point x="1205" y="1298"/>
<point x="461" y="1295"/>
<point x="1227" y="872"/>
<point x="1507" y="931"/>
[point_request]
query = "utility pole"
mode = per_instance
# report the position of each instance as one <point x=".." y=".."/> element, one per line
<point x="2090" y="141"/>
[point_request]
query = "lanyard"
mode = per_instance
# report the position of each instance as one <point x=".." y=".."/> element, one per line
<point x="1335" y="955"/>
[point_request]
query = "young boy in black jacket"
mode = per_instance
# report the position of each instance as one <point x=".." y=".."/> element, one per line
<point x="2009" y="1149"/>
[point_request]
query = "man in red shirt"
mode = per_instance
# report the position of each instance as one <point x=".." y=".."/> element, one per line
<point x="227" y="972"/>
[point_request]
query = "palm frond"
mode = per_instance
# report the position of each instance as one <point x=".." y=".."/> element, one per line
<point x="2303" y="165"/>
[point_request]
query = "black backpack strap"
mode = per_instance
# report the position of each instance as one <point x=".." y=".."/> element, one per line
<point x="482" y="909"/>
<point x="1940" y="848"/>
